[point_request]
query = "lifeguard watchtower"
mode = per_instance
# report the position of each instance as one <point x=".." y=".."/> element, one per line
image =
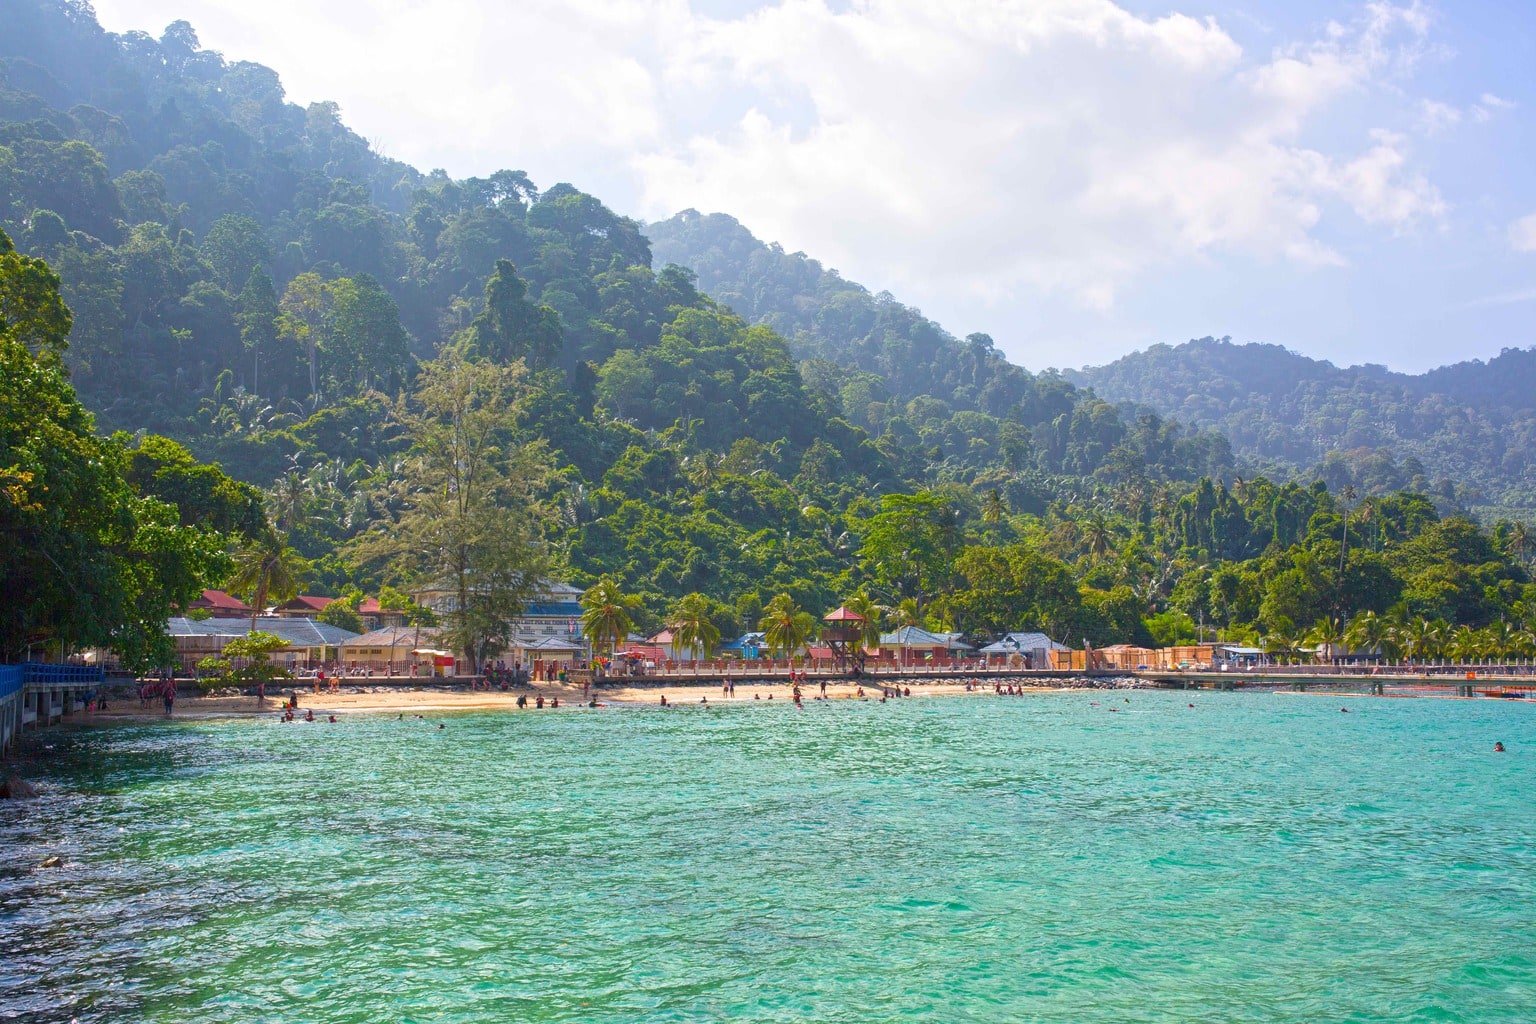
<point x="843" y="632"/>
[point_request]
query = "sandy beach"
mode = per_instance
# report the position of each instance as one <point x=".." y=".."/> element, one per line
<point x="440" y="699"/>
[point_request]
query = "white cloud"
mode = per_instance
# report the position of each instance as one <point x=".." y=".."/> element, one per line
<point x="1489" y="105"/>
<point x="1435" y="117"/>
<point x="1522" y="234"/>
<point x="1058" y="145"/>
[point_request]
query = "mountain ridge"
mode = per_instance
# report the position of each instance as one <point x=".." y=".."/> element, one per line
<point x="1460" y="430"/>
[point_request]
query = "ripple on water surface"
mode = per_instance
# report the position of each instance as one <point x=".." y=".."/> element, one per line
<point x="1255" y="858"/>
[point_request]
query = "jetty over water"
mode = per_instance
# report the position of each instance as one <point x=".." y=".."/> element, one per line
<point x="35" y="694"/>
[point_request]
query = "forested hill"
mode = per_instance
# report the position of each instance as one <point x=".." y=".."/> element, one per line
<point x="897" y="373"/>
<point x="249" y="278"/>
<point x="1468" y="428"/>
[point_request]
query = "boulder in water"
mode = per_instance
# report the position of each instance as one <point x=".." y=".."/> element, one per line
<point x="14" y="788"/>
<point x="52" y="862"/>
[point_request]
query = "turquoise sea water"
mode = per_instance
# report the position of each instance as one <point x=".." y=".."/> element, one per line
<point x="1254" y="858"/>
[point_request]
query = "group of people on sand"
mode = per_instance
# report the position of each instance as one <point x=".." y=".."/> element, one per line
<point x="163" y="689"/>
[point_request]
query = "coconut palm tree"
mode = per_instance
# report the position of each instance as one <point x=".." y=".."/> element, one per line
<point x="1098" y="535"/>
<point x="1464" y="644"/>
<point x="692" y="628"/>
<point x="605" y="617"/>
<point x="1369" y="632"/>
<point x="1281" y="640"/>
<point x="267" y="569"/>
<point x="1520" y="541"/>
<point x="992" y="507"/>
<point x="703" y="469"/>
<point x="1420" y="638"/>
<point x="907" y="613"/>
<point x="1326" y="636"/>
<point x="785" y="627"/>
<point x="1347" y="496"/>
<point x="1500" y="640"/>
<point x="862" y="605"/>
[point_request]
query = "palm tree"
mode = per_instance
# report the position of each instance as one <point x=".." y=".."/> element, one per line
<point x="692" y="627"/>
<point x="1464" y="644"/>
<point x="1420" y="638"/>
<point x="267" y="569"/>
<point x="1326" y="636"/>
<point x="1098" y="535"/>
<point x="907" y="613"/>
<point x="288" y="499"/>
<point x="862" y="605"/>
<point x="1280" y="640"/>
<point x="785" y="627"/>
<point x="1519" y="540"/>
<point x="1500" y="640"/>
<point x="992" y="507"/>
<point x="703" y="469"/>
<point x="1348" y="496"/>
<point x="605" y="614"/>
<point x="1371" y="633"/>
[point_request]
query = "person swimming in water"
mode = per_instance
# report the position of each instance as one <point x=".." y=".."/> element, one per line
<point x="333" y="719"/>
<point x="1498" y="747"/>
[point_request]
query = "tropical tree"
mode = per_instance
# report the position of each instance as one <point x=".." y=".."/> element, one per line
<point x="1326" y="637"/>
<point x="267" y="570"/>
<point x="1370" y="633"/>
<point x="907" y="613"/>
<point x="472" y="519"/>
<point x="1098" y="535"/>
<point x="1500" y="640"/>
<point x="1281" y="640"/>
<point x="257" y="648"/>
<point x="1421" y="638"/>
<point x="993" y="508"/>
<point x="862" y="605"/>
<point x="692" y="627"/>
<point x="605" y="616"/>
<point x="785" y="627"/>
<point x="1464" y="644"/>
<point x="342" y="615"/>
<point x="703" y="469"/>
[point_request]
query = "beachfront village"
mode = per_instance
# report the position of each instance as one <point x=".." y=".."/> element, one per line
<point x="560" y="634"/>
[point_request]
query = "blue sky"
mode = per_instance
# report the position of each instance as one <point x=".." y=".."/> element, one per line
<point x="1077" y="178"/>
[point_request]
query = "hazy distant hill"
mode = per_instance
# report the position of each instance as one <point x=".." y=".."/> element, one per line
<point x="1470" y="425"/>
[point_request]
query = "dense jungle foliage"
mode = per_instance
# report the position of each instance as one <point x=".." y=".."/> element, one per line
<point x="1465" y="432"/>
<point x="250" y="280"/>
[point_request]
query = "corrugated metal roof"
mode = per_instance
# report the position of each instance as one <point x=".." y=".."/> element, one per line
<point x="911" y="636"/>
<point x="298" y="632"/>
<point x="1023" y="642"/>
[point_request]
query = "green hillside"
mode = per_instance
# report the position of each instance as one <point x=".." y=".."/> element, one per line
<point x="490" y="382"/>
<point x="1465" y="431"/>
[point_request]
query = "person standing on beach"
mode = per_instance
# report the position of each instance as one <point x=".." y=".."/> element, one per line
<point x="168" y="695"/>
